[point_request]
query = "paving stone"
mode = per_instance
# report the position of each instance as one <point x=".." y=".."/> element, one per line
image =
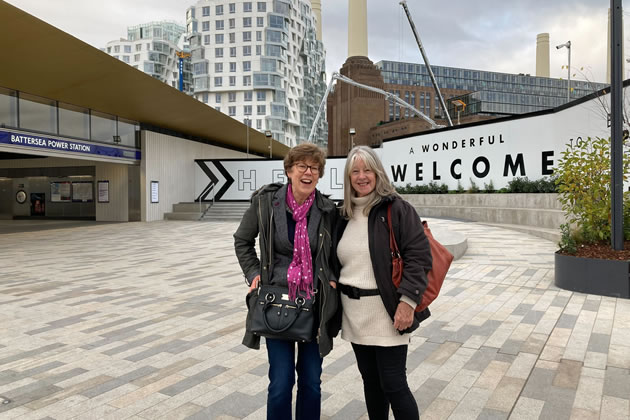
<point x="617" y="383"/>
<point x="160" y="307"/>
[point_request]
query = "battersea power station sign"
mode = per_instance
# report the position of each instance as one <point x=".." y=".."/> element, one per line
<point x="492" y="151"/>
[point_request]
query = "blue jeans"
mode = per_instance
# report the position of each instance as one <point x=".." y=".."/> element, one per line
<point x="282" y="368"/>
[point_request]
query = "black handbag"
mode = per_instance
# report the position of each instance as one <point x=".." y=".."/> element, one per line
<point x="275" y="316"/>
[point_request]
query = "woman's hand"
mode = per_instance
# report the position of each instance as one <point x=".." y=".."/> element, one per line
<point x="403" y="318"/>
<point x="333" y="284"/>
<point x="254" y="283"/>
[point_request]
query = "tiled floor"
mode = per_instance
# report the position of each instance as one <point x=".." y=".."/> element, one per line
<point x="144" y="321"/>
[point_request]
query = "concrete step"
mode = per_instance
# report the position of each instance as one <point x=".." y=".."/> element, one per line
<point x="181" y="215"/>
<point x="190" y="207"/>
<point x="552" y="235"/>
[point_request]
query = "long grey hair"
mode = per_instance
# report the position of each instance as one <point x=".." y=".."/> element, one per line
<point x="383" y="187"/>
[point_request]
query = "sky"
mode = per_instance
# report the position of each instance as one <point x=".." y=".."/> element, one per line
<point x="494" y="35"/>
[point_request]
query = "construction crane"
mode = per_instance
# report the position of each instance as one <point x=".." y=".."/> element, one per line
<point x="388" y="96"/>
<point x="403" y="3"/>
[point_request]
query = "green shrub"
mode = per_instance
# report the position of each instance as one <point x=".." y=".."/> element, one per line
<point x="583" y="180"/>
<point x="524" y="185"/>
<point x="567" y="242"/>
<point x="473" y="187"/>
<point x="489" y="187"/>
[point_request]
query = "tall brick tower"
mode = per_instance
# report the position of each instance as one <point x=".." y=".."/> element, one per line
<point x="349" y="106"/>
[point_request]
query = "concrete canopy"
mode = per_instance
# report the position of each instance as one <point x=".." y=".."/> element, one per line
<point x="42" y="60"/>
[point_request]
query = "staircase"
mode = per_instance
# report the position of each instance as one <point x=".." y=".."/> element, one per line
<point x="226" y="211"/>
<point x="186" y="211"/>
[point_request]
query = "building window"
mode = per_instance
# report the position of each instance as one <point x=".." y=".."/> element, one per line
<point x="218" y="81"/>
<point x="136" y="57"/>
<point x="126" y="59"/>
<point x="258" y="35"/>
<point x="261" y="109"/>
<point x="247" y="50"/>
<point x="138" y="47"/>
<point x="219" y="25"/>
<point x="258" y="124"/>
<point x="117" y="48"/>
<point x="262" y="6"/>
<point x="218" y="38"/>
<point x="232" y="23"/>
<point x="217" y="108"/>
<point x="206" y="40"/>
<point x="205" y="25"/>
<point x="260" y="22"/>
<point x="247" y="96"/>
<point x="258" y="49"/>
<point x="247" y="22"/>
<point x="205" y="98"/>
<point x="232" y="111"/>
<point x="232" y="51"/>
<point x="127" y="49"/>
<point x="218" y="67"/>
<point x="232" y="67"/>
<point x="217" y="98"/>
<point x="232" y="7"/>
<point x="232" y="80"/>
<point x="261" y="95"/>
<point x="232" y="97"/>
<point x="247" y="36"/>
<point x="247" y="110"/>
<point x="232" y="37"/>
<point x="218" y="52"/>
<point x="247" y="81"/>
<point x="218" y="10"/>
<point x="247" y="66"/>
<point x="205" y="11"/>
<point x="247" y="6"/>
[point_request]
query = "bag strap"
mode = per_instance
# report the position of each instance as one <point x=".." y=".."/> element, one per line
<point x="393" y="246"/>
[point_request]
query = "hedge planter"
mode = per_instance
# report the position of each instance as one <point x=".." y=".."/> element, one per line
<point x="594" y="276"/>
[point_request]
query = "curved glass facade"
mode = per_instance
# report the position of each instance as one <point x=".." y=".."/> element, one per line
<point x="20" y="110"/>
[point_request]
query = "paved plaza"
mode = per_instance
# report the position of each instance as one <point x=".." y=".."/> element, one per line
<point x="145" y="320"/>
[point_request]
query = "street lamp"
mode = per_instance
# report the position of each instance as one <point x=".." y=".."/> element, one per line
<point x="568" y="46"/>
<point x="352" y="132"/>
<point x="247" y="122"/>
<point x="268" y="135"/>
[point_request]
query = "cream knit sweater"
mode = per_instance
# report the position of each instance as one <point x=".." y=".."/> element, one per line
<point x="365" y="321"/>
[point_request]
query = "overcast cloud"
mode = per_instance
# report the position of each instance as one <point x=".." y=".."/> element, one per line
<point x="494" y="35"/>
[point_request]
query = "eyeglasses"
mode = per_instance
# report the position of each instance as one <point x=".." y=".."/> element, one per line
<point x="302" y="168"/>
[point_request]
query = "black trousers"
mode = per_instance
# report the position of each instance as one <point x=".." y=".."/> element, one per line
<point x="384" y="373"/>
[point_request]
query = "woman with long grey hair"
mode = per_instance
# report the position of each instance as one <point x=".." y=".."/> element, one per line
<point x="378" y="317"/>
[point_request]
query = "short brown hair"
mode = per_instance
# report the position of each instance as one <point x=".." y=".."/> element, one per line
<point x="305" y="151"/>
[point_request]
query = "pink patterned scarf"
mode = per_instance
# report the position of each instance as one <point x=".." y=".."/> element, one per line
<point x="300" y="273"/>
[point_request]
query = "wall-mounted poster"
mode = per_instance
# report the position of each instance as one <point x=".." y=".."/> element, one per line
<point x="103" y="191"/>
<point x="82" y="191"/>
<point x="61" y="192"/>
<point x="38" y="204"/>
<point x="155" y="191"/>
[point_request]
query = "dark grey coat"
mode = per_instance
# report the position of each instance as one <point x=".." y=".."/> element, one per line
<point x="268" y="204"/>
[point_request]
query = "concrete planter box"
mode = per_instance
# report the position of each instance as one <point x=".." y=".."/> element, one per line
<point x="594" y="276"/>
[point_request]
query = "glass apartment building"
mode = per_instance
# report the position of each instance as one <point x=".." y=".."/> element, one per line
<point x="259" y="62"/>
<point x="152" y="48"/>
<point x="483" y="92"/>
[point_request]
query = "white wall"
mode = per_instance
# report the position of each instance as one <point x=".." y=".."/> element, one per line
<point x="171" y="161"/>
<point x="117" y="210"/>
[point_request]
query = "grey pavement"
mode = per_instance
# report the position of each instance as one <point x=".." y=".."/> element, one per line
<point x="144" y="321"/>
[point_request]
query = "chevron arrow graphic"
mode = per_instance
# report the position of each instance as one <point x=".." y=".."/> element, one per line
<point x="220" y="179"/>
